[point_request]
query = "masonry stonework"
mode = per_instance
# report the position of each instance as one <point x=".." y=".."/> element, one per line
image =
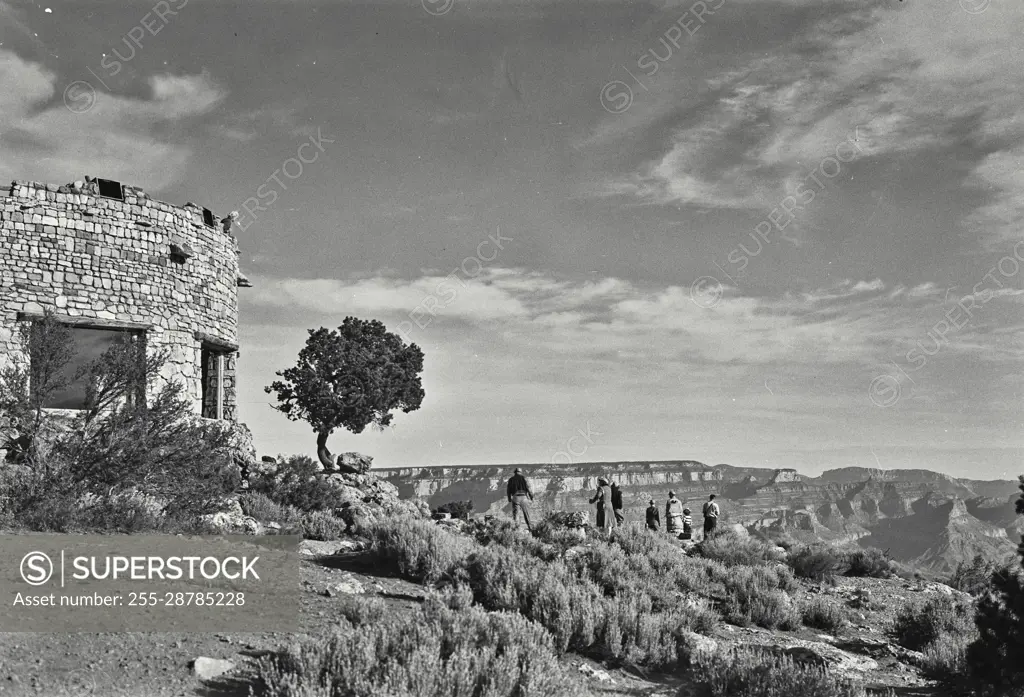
<point x="98" y="261"/>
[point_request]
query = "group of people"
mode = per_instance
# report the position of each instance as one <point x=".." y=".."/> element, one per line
<point x="678" y="520"/>
<point x="608" y="500"/>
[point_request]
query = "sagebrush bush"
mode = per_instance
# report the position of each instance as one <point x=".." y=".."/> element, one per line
<point x="435" y="651"/>
<point x="295" y="483"/>
<point x="505" y="533"/>
<point x="918" y="624"/>
<point x="945" y="659"/>
<point x="735" y="550"/>
<point x="44" y="503"/>
<point x="623" y="629"/>
<point x="360" y="610"/>
<point x="824" y="614"/>
<point x="261" y="507"/>
<point x="749" y="672"/>
<point x="416" y="549"/>
<point x="816" y="563"/>
<point x="870" y="562"/>
<point x="136" y="436"/>
<point x="323" y="526"/>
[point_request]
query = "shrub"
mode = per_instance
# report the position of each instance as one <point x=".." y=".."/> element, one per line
<point x="919" y="624"/>
<point x="417" y="549"/>
<point x="322" y="525"/>
<point x="504" y="533"/>
<point x="625" y="629"/>
<point x="772" y="609"/>
<point x="360" y="610"/>
<point x="437" y="651"/>
<point x="973" y="577"/>
<point x="601" y="602"/>
<point x="821" y="613"/>
<point x="136" y="433"/>
<point x="262" y="508"/>
<point x="457" y="509"/>
<point x="945" y="659"/>
<point x="871" y="562"/>
<point x="749" y="672"/>
<point x="46" y="503"/>
<point x="816" y="563"/>
<point x="295" y="483"/>
<point x="734" y="550"/>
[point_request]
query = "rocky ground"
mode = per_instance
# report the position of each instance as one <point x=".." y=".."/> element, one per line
<point x="215" y="665"/>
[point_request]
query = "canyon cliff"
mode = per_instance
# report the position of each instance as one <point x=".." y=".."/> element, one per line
<point x="925" y="519"/>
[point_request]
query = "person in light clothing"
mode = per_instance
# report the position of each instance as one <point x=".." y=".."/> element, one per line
<point x="673" y="515"/>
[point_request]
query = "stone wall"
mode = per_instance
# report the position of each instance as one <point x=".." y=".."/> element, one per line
<point x="135" y="263"/>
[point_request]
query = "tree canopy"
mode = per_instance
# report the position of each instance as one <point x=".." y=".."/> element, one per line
<point x="351" y="378"/>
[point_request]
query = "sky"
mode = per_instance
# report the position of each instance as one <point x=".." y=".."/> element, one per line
<point x="773" y="233"/>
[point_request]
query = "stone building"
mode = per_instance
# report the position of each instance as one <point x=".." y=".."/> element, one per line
<point x="107" y="260"/>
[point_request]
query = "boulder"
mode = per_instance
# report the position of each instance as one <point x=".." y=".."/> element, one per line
<point x="349" y="585"/>
<point x="209" y="668"/>
<point x="597" y="674"/>
<point x="243" y="451"/>
<point x="233" y="521"/>
<point x="700" y="644"/>
<point x="347" y="462"/>
<point x="453" y="524"/>
<point x="877" y="649"/>
<point x="821" y="654"/>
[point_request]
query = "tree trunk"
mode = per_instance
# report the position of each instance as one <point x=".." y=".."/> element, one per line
<point x="326" y="459"/>
<point x="329" y="461"/>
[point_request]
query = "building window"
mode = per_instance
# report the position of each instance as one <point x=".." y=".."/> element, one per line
<point x="87" y="347"/>
<point x="111" y="189"/>
<point x="208" y="218"/>
<point x="214" y="370"/>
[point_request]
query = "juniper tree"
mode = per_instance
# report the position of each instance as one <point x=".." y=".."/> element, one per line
<point x="351" y="378"/>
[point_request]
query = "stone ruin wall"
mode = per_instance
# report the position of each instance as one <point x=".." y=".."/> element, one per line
<point x="133" y="263"/>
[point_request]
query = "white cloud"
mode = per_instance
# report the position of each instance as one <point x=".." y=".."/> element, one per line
<point x="892" y="79"/>
<point x="594" y="320"/>
<point x="114" y="138"/>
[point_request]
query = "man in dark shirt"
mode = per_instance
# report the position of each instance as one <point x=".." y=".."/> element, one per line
<point x="519" y="495"/>
<point x="653" y="517"/>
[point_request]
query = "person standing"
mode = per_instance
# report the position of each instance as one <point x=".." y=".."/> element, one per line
<point x="653" y="517"/>
<point x="605" y="511"/>
<point x="711" y="513"/>
<point x="520" y="496"/>
<point x="673" y="515"/>
<point x="687" y="525"/>
<point x="617" y="504"/>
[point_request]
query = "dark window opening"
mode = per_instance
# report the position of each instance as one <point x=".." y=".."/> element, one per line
<point x="111" y="189"/>
<point x="213" y="370"/>
<point x="87" y="348"/>
<point x="208" y="218"/>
